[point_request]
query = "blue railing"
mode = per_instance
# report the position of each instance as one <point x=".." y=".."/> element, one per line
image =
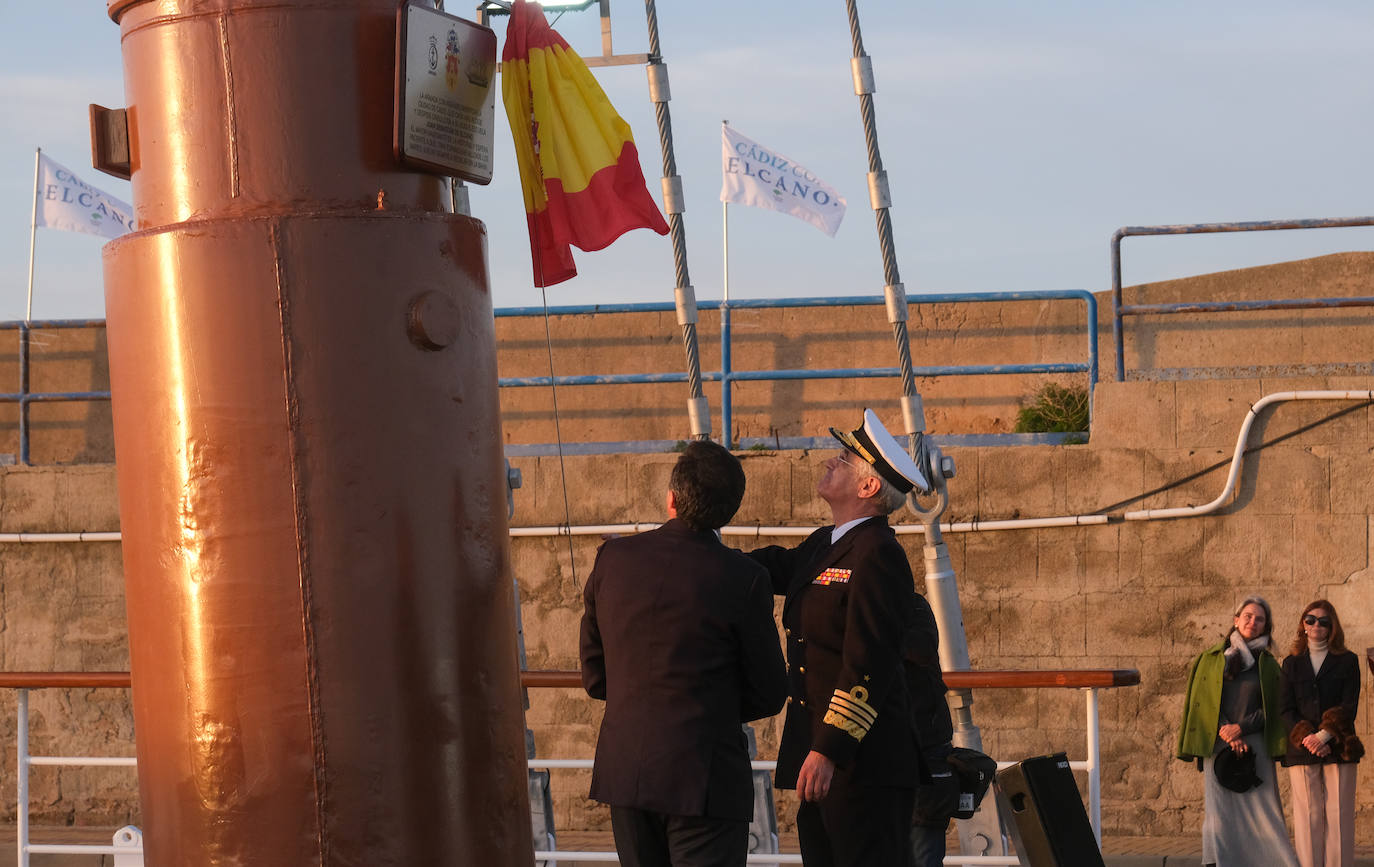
<point x="727" y="375"/>
<point x="1120" y="310"/>
<point x="23" y="396"/>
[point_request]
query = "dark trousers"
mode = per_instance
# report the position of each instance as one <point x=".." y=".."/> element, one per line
<point x="928" y="845"/>
<point x="856" y="826"/>
<point x="644" y="838"/>
<point x="936" y="802"/>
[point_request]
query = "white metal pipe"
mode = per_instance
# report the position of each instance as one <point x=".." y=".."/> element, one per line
<point x="759" y="532"/>
<point x="611" y="857"/>
<point x="1094" y="767"/>
<point x="901" y="529"/>
<point x="21" y="737"/>
<point x="547" y="764"/>
<point x="1238" y="457"/>
<point x="1012" y="524"/>
<point x="60" y="537"/>
<point x="74" y="849"/>
<point x="86" y="761"/>
<point x="586" y="764"/>
<point x="765" y="858"/>
<point x="585" y="530"/>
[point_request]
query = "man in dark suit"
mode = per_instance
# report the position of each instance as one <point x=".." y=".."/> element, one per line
<point x="678" y="639"/>
<point x="854" y="623"/>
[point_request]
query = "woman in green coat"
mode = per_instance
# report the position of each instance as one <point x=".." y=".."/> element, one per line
<point x="1231" y="711"/>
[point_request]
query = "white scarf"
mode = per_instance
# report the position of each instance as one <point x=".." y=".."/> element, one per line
<point x="1246" y="650"/>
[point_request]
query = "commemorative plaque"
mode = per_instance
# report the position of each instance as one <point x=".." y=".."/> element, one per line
<point x="445" y="98"/>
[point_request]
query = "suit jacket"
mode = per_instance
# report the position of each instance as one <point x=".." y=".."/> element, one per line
<point x="678" y="639"/>
<point x="1306" y="695"/>
<point x="850" y="615"/>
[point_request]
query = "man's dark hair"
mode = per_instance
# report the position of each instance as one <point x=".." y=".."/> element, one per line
<point x="707" y="484"/>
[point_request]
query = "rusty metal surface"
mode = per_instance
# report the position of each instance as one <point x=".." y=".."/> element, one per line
<point x="311" y="491"/>
<point x="315" y="546"/>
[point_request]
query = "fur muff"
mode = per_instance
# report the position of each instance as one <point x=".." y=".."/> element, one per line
<point x="1344" y="743"/>
<point x="1299" y="732"/>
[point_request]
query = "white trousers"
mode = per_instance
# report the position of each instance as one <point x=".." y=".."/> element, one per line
<point x="1324" y="814"/>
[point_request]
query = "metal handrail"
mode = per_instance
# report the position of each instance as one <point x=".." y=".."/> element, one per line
<point x="727" y="376"/>
<point x="1088" y="680"/>
<point x="1067" y="678"/>
<point x="1120" y="310"/>
<point x="24" y="397"/>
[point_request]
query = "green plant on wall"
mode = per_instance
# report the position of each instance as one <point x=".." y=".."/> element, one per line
<point x="1055" y="409"/>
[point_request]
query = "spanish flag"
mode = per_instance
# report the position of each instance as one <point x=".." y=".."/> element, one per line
<point x="578" y="165"/>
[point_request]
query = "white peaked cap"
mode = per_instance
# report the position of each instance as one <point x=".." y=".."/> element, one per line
<point x="871" y="442"/>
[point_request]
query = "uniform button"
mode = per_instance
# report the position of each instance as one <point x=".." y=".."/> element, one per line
<point x="801" y="640"/>
<point x="802" y="669"/>
<point x="788" y="631"/>
<point x="802" y="702"/>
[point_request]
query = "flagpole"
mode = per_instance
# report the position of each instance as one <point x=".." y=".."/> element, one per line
<point x="33" y="230"/>
<point x="725" y="433"/>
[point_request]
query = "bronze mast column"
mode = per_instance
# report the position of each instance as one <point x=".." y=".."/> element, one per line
<point x="311" y="486"/>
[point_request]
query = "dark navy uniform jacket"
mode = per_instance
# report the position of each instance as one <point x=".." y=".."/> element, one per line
<point x="678" y="639"/>
<point x="851" y="618"/>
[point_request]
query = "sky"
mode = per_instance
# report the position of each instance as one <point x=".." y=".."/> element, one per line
<point x="1017" y="137"/>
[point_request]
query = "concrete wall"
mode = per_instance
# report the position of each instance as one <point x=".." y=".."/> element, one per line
<point x="1147" y="596"/>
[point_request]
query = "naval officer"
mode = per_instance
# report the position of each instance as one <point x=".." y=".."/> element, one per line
<point x="678" y="639"/>
<point x="851" y="616"/>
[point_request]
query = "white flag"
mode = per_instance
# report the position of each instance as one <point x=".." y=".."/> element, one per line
<point x="67" y="202"/>
<point x="762" y="177"/>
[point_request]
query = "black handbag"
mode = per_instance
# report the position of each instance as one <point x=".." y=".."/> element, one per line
<point x="975" y="771"/>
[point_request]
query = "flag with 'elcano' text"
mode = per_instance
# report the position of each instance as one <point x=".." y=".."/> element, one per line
<point x="763" y="178"/>
<point x="579" y="168"/>
<point x="64" y="201"/>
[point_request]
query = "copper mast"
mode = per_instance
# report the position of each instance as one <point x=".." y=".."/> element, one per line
<point x="312" y="494"/>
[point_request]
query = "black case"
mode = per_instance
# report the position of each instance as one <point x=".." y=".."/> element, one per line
<point x="1052" y="827"/>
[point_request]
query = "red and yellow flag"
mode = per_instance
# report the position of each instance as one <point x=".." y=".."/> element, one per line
<point x="578" y="165"/>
